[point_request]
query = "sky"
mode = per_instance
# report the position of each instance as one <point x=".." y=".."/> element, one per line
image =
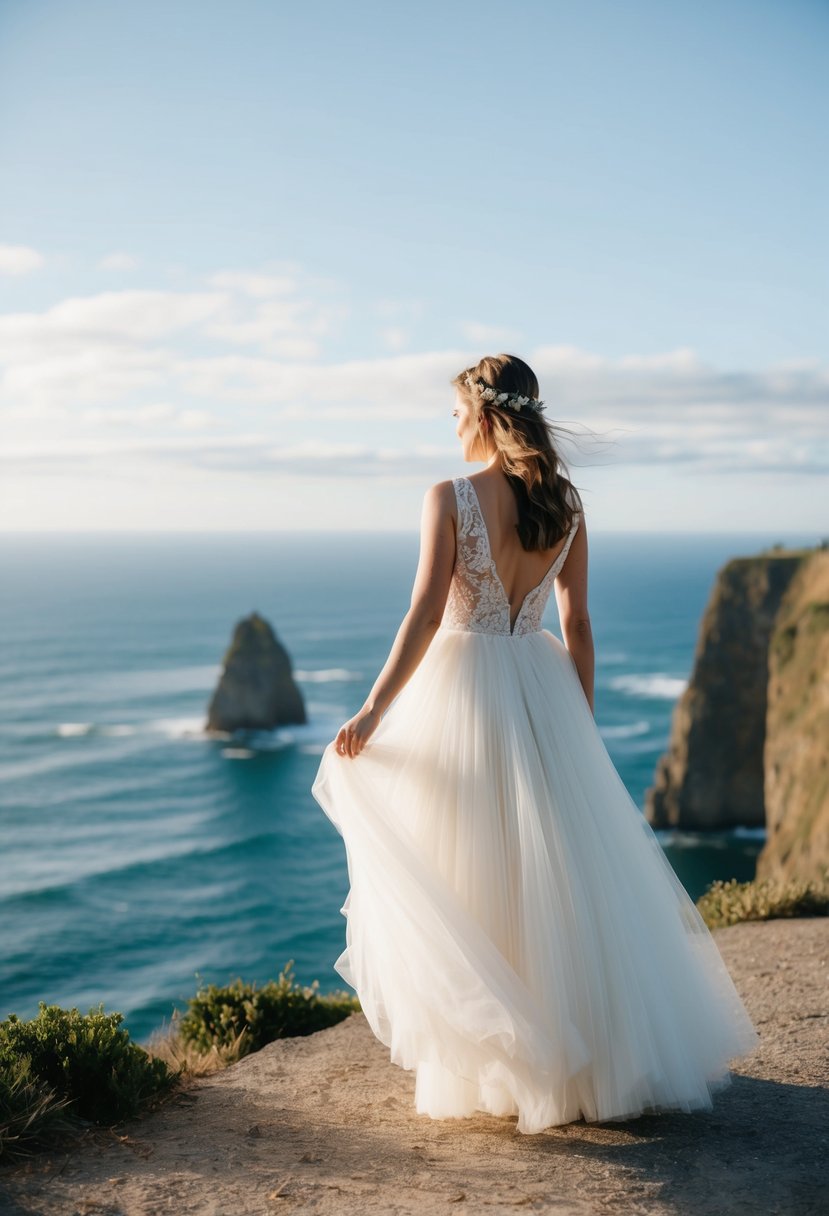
<point x="245" y="246"/>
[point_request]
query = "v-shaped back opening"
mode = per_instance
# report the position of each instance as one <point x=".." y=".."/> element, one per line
<point x="494" y="568"/>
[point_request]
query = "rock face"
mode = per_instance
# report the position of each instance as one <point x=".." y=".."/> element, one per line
<point x="712" y="776"/>
<point x="797" y="730"/>
<point x="256" y="690"/>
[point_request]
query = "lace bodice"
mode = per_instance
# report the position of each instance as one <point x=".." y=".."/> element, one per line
<point x="477" y="601"/>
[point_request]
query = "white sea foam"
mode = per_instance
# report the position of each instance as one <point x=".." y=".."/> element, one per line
<point x="162" y="680"/>
<point x="327" y="675"/>
<point x="719" y="838"/>
<point x="750" y="833"/>
<point x="626" y="730"/>
<point x="656" y="685"/>
<point x="304" y="736"/>
<point x="177" y="728"/>
<point x="268" y="740"/>
<point x="687" y="840"/>
<point x="309" y="736"/>
<point x="173" y="728"/>
<point x="238" y="753"/>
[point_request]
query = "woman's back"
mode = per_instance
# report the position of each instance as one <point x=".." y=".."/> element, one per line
<point x="520" y="569"/>
<point x="478" y="600"/>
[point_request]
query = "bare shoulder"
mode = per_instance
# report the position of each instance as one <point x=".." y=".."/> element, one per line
<point x="441" y="497"/>
<point x="442" y="489"/>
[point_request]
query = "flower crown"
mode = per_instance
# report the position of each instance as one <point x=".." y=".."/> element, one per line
<point x="513" y="401"/>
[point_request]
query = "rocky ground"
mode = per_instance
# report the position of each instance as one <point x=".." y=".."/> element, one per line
<point x="326" y="1124"/>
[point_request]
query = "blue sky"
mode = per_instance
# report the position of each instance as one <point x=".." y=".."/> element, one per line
<point x="245" y="246"/>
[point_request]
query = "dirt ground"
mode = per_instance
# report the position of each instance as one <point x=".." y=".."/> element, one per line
<point x="326" y="1124"/>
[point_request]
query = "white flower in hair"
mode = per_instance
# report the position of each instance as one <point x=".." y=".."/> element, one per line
<point x="513" y="401"/>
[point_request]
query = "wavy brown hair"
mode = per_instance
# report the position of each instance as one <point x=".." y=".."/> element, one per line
<point x="527" y="448"/>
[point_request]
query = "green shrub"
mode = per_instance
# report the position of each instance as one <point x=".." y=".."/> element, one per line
<point x="246" y="1017"/>
<point x="32" y="1116"/>
<point x="87" y="1059"/>
<point x="728" y="903"/>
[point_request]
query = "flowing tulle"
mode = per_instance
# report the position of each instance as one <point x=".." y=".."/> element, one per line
<point x="514" y="931"/>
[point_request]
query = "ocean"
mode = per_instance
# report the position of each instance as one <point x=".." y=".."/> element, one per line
<point x="140" y="858"/>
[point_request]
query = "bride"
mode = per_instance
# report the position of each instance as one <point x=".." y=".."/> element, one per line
<point x="514" y="932"/>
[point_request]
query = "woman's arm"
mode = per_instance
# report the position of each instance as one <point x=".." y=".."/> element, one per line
<point x="419" y="625"/>
<point x="576" y="630"/>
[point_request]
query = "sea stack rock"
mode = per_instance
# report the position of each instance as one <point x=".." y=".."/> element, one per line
<point x="256" y="690"/>
<point x="797" y="730"/>
<point x="712" y="776"/>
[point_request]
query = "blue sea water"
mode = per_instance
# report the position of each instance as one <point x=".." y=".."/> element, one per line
<point x="140" y="858"/>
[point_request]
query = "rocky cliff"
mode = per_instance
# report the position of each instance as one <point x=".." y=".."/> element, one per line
<point x="749" y="739"/>
<point x="712" y="774"/>
<point x="796" y="759"/>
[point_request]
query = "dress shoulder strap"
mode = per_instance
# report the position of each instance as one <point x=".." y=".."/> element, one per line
<point x="574" y="527"/>
<point x="461" y="487"/>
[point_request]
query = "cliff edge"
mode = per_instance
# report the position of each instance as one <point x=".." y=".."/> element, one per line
<point x="326" y="1124"/>
<point x="712" y="774"/>
<point x="796" y="758"/>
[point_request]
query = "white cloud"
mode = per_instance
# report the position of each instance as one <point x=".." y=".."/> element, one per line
<point x="139" y="416"/>
<point x="158" y="376"/>
<point x="118" y="261"/>
<point x="145" y="416"/>
<point x="290" y="316"/>
<point x="111" y="316"/>
<point x="248" y="452"/>
<point x="271" y="324"/>
<point x="78" y="376"/>
<point x="393" y="387"/>
<point x="260" y="286"/>
<point x="19" y="259"/>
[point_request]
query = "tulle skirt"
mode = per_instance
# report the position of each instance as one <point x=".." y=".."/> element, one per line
<point x="514" y="931"/>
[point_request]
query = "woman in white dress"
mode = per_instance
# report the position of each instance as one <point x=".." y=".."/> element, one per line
<point x="514" y="931"/>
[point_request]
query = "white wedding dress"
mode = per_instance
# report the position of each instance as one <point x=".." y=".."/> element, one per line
<point x="514" y="931"/>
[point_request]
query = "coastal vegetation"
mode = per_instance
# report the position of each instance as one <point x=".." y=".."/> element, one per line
<point x="64" y="1073"/>
<point x="729" y="903"/>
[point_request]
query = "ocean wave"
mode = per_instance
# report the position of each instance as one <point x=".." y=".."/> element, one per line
<point x="307" y="736"/>
<point x="125" y="871"/>
<point x="172" y="728"/>
<point x="177" y="728"/>
<point x="626" y="730"/>
<point x="718" y="838"/>
<point x="657" y="685"/>
<point x="304" y="736"/>
<point x="327" y="675"/>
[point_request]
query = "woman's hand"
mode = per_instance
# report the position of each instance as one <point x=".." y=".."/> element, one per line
<point x="355" y="733"/>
